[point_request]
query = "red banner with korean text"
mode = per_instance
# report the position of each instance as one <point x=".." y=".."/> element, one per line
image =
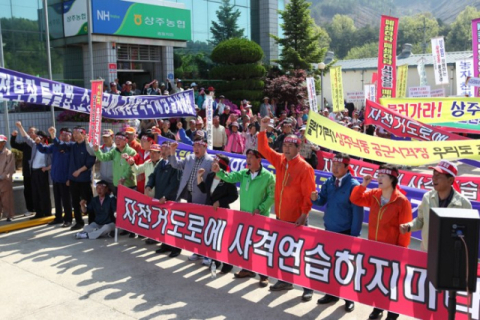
<point x="373" y="273"/>
<point x="402" y="126"/>
<point x="469" y="185"/>
<point x="95" y="125"/>
<point x="387" y="58"/>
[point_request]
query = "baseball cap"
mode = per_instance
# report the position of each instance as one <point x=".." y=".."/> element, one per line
<point x="155" y="147"/>
<point x="107" y="133"/>
<point x="113" y="84"/>
<point x="128" y="83"/>
<point x="3" y="138"/>
<point x="303" y="128"/>
<point x="102" y="183"/>
<point x="130" y="130"/>
<point x="193" y="85"/>
<point x="445" y="167"/>
<point x="235" y="124"/>
<point x="211" y="89"/>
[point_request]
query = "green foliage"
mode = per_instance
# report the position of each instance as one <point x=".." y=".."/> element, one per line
<point x="460" y="36"/>
<point x="24" y="47"/>
<point x="251" y="84"/>
<point x="243" y="71"/>
<point x="237" y="51"/>
<point x="250" y="95"/>
<point x="227" y="26"/>
<point x="411" y="30"/>
<point x="342" y="31"/>
<point x="368" y="50"/>
<point x="301" y="36"/>
<point x="193" y="66"/>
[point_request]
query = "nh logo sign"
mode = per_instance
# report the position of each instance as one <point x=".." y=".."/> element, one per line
<point x="103" y="15"/>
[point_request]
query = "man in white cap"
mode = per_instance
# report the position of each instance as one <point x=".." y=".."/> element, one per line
<point x="445" y="194"/>
<point x="7" y="169"/>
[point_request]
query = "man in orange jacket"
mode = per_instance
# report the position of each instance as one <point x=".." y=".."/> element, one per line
<point x="294" y="184"/>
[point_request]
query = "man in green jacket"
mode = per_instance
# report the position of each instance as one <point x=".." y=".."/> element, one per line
<point x="444" y="195"/>
<point x="122" y="171"/>
<point x="257" y="194"/>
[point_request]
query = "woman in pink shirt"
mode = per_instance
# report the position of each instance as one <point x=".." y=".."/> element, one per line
<point x="235" y="142"/>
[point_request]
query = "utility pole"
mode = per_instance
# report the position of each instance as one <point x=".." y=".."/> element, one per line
<point x="424" y="44"/>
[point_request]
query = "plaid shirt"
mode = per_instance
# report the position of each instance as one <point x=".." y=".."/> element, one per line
<point x="306" y="149"/>
<point x="193" y="175"/>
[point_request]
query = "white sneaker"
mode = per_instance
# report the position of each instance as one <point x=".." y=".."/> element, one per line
<point x="81" y="235"/>
<point x="206" y="261"/>
<point x="194" y="257"/>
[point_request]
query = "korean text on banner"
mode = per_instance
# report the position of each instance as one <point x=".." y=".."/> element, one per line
<point x="337" y="88"/>
<point x="370" y="92"/>
<point x="440" y="61"/>
<point x="356" y="269"/>
<point x="95" y="125"/>
<point x="402" y="78"/>
<point x="464" y="70"/>
<point x="436" y="110"/>
<point x="476" y="51"/>
<point x="312" y="94"/>
<point x="355" y="96"/>
<point x="422" y="73"/>
<point x="402" y="126"/>
<point x="209" y="112"/>
<point x="419" y="92"/>
<point x="387" y="58"/>
<point x="334" y="136"/>
<point x="437" y="93"/>
<point x="17" y="86"/>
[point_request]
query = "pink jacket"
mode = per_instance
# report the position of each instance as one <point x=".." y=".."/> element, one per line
<point x="235" y="143"/>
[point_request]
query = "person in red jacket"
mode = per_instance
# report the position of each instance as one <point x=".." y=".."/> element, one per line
<point x="141" y="157"/>
<point x="389" y="208"/>
<point x="295" y="182"/>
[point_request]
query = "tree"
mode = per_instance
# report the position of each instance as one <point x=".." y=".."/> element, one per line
<point x="415" y="30"/>
<point x="460" y="36"/>
<point x="227" y="26"/>
<point x="342" y="32"/>
<point x="289" y="88"/>
<point x="301" y="36"/>
<point x="239" y="66"/>
<point x="368" y="50"/>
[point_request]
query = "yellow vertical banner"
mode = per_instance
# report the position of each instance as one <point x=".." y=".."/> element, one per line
<point x="402" y="77"/>
<point x="337" y="89"/>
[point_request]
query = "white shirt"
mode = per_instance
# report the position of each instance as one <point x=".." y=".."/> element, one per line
<point x="253" y="175"/>
<point x="39" y="161"/>
<point x="340" y="180"/>
<point x="214" y="185"/>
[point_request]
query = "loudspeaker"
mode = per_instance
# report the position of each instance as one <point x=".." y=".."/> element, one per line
<point x="447" y="267"/>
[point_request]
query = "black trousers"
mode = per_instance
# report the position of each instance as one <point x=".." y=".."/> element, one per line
<point x="41" y="193"/>
<point x="27" y="193"/>
<point x="81" y="191"/>
<point x="61" y="193"/>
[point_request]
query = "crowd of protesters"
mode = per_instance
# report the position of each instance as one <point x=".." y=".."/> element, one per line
<point x="133" y="158"/>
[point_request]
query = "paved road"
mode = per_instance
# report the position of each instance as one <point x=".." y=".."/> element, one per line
<point x="47" y="274"/>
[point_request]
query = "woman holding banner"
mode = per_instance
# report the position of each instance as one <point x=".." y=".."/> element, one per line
<point x="220" y="194"/>
<point x="389" y="208"/>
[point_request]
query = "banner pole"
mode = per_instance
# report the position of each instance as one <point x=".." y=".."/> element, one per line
<point x="4" y="103"/>
<point x="49" y="56"/>
<point x="89" y="36"/>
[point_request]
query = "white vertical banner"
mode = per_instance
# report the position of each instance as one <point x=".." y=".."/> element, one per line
<point x="312" y="94"/>
<point x="464" y="70"/>
<point x="440" y="61"/>
<point x="422" y="73"/>
<point x="209" y="111"/>
<point x="370" y="93"/>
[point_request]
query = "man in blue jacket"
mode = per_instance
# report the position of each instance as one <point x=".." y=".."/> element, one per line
<point x="59" y="173"/>
<point x="80" y="175"/>
<point x="341" y="215"/>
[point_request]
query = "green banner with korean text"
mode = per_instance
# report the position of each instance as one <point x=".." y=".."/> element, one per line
<point x="124" y="18"/>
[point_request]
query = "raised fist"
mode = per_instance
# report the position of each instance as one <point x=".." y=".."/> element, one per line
<point x="366" y="180"/>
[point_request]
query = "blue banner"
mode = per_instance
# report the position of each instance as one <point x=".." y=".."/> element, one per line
<point x="16" y="86"/>
<point x="238" y="162"/>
